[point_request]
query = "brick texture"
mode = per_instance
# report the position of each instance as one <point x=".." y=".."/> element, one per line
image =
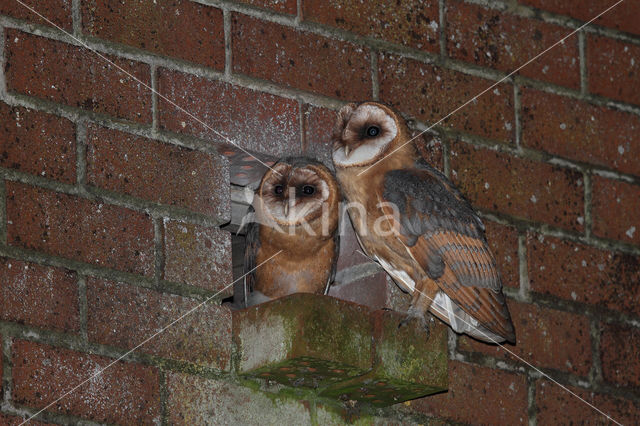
<point x="537" y="191"/>
<point x="615" y="210"/>
<point x="75" y="76"/>
<point x="283" y="6"/>
<point x="301" y="60"/>
<point x="197" y="256"/>
<point x="579" y="131"/>
<point x="499" y="397"/>
<point x="8" y="420"/>
<point x="411" y="23"/>
<point x="620" y="355"/>
<point x="79" y="229"/>
<point x="58" y="12"/>
<point x="498" y="40"/>
<point x="271" y="125"/>
<point x="157" y="171"/>
<point x="318" y="122"/>
<point x="37" y="143"/>
<point x="584" y="274"/>
<point x="125" y="316"/>
<point x="154" y="26"/>
<point x="124" y="393"/>
<point x="39" y="295"/>
<point x="614" y="68"/>
<point x="430" y="93"/>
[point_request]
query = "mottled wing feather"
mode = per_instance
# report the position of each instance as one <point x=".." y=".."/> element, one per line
<point x="446" y="238"/>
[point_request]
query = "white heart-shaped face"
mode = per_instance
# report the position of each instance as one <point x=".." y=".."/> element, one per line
<point x="364" y="147"/>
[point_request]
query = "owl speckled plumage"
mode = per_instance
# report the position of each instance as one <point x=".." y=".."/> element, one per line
<point x="417" y="225"/>
<point x="296" y="212"/>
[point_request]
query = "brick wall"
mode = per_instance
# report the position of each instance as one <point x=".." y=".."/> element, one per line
<point x="111" y="199"/>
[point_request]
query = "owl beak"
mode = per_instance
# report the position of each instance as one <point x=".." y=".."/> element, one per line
<point x="347" y="151"/>
<point x="286" y="208"/>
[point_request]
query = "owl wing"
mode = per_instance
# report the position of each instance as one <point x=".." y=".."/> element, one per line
<point x="334" y="261"/>
<point x="442" y="233"/>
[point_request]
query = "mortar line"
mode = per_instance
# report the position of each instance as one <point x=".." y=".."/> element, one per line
<point x="523" y="268"/>
<point x="588" y="199"/>
<point x="375" y="82"/>
<point x="595" y="330"/>
<point x="154" y="99"/>
<point x="76" y="17"/>
<point x="531" y="400"/>
<point x="3" y="212"/>
<point x="164" y="397"/>
<point x="302" y="123"/>
<point x="442" y="31"/>
<point x="7" y="376"/>
<point x="299" y="14"/>
<point x="3" y="83"/>
<point x="81" y="154"/>
<point x="517" y="110"/>
<point x="228" y="42"/>
<point x="158" y="242"/>
<point x="582" y="52"/>
<point x="83" y="307"/>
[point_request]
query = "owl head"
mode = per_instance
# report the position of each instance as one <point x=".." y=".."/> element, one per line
<point x="297" y="191"/>
<point x="366" y="132"/>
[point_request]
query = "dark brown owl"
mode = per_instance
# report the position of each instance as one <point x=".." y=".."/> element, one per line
<point x="296" y="212"/>
<point x="416" y="224"/>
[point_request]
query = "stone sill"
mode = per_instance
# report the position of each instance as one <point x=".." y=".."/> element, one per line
<point x="340" y="350"/>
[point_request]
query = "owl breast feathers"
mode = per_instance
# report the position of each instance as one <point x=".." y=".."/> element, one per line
<point x="417" y="225"/>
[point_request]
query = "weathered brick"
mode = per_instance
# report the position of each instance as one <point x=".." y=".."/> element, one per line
<point x="153" y="26"/>
<point x="124" y="316"/>
<point x="124" y="393"/>
<point x="616" y="210"/>
<point x="299" y="59"/>
<point x="545" y="337"/>
<point x="479" y="395"/>
<point x="156" y="171"/>
<point x="72" y="227"/>
<point x="75" y="76"/>
<point x="495" y="39"/>
<point x="579" y="131"/>
<point x="56" y="11"/>
<point x="620" y="354"/>
<point x="557" y="406"/>
<point x="8" y="420"/>
<point x="283" y="6"/>
<point x="622" y="17"/>
<point x="271" y="125"/>
<point x="537" y="191"/>
<point x="614" y="68"/>
<point x="584" y="274"/>
<point x="429" y="93"/>
<point x="503" y="241"/>
<point x="38" y="143"/>
<point x="38" y="295"/>
<point x="196" y="400"/>
<point x="317" y="124"/>
<point x="197" y="256"/>
<point x="412" y="23"/>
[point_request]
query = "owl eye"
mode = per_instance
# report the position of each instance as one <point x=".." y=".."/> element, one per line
<point x="308" y="190"/>
<point x="373" y="131"/>
<point x="278" y="189"/>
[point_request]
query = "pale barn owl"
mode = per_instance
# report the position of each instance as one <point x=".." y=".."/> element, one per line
<point x="296" y="212"/>
<point x="412" y="220"/>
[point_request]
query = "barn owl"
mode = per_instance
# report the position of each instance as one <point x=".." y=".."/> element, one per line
<point x="412" y="220"/>
<point x="296" y="212"/>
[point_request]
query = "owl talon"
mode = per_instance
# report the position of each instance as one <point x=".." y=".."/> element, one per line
<point x="424" y="323"/>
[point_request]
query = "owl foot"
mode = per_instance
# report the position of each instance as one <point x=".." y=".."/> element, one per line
<point x="415" y="316"/>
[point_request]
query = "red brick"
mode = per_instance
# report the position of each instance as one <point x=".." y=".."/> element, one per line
<point x="153" y="27"/>
<point x="56" y="11"/>
<point x="124" y="393"/>
<point x="479" y="395"/>
<point x="523" y="188"/>
<point x="271" y="125"/>
<point x="620" y="354"/>
<point x="38" y="295"/>
<point x="614" y="68"/>
<point x="584" y="274"/>
<point x="545" y="338"/>
<point x="37" y="143"/>
<point x="158" y="172"/>
<point x="197" y="256"/>
<point x="79" y="229"/>
<point x="503" y="241"/>
<point x="124" y="316"/>
<point x="283" y="6"/>
<point x="579" y="131"/>
<point x="557" y="406"/>
<point x="299" y="59"/>
<point x="495" y="39"/>
<point x="8" y="420"/>
<point x="622" y="17"/>
<point x="75" y="76"/>
<point x="429" y="93"/>
<point x="412" y="23"/>
<point x="616" y="210"/>
<point x="318" y="123"/>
